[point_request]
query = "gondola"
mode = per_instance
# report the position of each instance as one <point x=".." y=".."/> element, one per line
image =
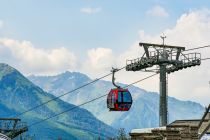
<point x="118" y="99"/>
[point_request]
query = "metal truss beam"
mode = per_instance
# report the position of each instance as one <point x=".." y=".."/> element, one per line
<point x="12" y="127"/>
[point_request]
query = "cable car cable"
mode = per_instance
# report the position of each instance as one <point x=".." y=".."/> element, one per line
<point x="95" y="99"/>
<point x="205" y="59"/>
<point x="87" y="102"/>
<point x="197" y="48"/>
<point x="85" y="86"/>
<point x="66" y="93"/>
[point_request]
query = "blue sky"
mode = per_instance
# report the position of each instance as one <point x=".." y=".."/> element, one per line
<point x="46" y="37"/>
<point x="50" y="23"/>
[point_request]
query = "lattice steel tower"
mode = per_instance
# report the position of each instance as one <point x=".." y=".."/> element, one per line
<point x="168" y="59"/>
<point x="12" y="127"/>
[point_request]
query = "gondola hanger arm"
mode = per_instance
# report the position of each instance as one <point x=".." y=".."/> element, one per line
<point x="113" y="78"/>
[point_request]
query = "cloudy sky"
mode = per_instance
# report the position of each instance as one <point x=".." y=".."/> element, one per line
<point x="91" y="36"/>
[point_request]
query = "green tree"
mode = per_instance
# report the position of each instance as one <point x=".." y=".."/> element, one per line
<point x="122" y="134"/>
<point x="27" y="137"/>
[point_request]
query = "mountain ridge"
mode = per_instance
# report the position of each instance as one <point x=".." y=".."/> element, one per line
<point x="19" y="94"/>
<point x="145" y="105"/>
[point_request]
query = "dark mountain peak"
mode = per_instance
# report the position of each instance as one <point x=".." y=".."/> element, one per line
<point x="4" y="65"/>
<point x="6" y="69"/>
<point x="12" y="79"/>
<point x="64" y="75"/>
<point x="73" y="75"/>
<point x="8" y="73"/>
<point x="18" y="94"/>
<point x="67" y="72"/>
<point x="72" y="78"/>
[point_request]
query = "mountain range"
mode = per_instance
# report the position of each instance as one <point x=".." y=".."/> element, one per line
<point x="18" y="94"/>
<point x="143" y="113"/>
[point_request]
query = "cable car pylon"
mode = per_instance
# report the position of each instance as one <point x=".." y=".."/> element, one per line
<point x="169" y="59"/>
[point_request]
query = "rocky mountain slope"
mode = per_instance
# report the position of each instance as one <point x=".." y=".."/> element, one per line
<point x="18" y="94"/>
<point x="143" y="113"/>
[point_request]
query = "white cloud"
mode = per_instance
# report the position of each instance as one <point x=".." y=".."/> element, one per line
<point x="131" y="53"/>
<point x="90" y="10"/>
<point x="100" y="57"/>
<point x="158" y="11"/>
<point x="191" y="30"/>
<point x="29" y="59"/>
<point x="99" y="60"/>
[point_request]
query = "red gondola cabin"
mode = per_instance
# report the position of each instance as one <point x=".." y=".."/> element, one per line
<point x="119" y="99"/>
